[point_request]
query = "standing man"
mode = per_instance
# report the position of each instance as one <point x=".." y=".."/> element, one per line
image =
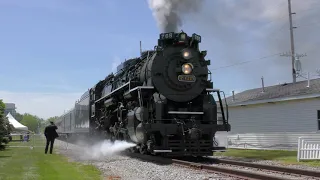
<point x="50" y="133"/>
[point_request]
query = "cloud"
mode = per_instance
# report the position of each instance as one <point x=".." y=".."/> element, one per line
<point x="44" y="105"/>
<point x="235" y="31"/>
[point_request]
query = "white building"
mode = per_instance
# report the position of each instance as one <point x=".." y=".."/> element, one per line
<point x="275" y="116"/>
<point x="10" y="108"/>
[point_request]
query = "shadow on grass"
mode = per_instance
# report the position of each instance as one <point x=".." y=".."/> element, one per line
<point x="2" y="147"/>
<point x="5" y="156"/>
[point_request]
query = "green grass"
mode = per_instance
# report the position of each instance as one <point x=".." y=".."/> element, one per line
<point x="285" y="157"/>
<point x="23" y="163"/>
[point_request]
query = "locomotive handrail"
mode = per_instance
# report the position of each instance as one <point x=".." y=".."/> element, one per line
<point x="210" y="73"/>
<point x="126" y="84"/>
<point x="221" y="106"/>
<point x="227" y="108"/>
<point x="141" y="87"/>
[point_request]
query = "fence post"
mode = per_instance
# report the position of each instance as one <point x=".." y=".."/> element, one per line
<point x="67" y="142"/>
<point x="227" y="142"/>
<point x="33" y="140"/>
<point x="299" y="151"/>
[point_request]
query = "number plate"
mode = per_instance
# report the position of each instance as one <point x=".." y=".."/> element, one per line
<point x="187" y="78"/>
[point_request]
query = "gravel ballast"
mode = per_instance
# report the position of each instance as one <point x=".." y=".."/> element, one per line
<point x="132" y="169"/>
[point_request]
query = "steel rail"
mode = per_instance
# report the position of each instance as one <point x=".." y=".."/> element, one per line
<point x="228" y="171"/>
<point x="270" y="167"/>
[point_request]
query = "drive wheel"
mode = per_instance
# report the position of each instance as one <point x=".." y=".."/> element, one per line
<point x="143" y="149"/>
<point x="133" y="150"/>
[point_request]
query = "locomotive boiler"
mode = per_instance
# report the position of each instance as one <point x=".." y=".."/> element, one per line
<point x="162" y="101"/>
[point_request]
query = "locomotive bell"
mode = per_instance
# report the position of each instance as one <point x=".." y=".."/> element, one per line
<point x="182" y="37"/>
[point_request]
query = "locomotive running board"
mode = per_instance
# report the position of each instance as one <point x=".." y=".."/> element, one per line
<point x="141" y="87"/>
<point x="212" y="90"/>
<point x="184" y="112"/>
<point x="163" y="150"/>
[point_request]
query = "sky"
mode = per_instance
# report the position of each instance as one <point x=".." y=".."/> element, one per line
<point x="52" y="51"/>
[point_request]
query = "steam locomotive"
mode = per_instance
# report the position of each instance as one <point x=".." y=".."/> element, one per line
<point x="162" y="101"/>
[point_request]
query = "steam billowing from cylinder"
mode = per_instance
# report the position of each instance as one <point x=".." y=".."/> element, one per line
<point x="169" y="13"/>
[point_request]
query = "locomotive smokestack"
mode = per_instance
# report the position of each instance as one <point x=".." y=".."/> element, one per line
<point x="262" y="81"/>
<point x="168" y="13"/>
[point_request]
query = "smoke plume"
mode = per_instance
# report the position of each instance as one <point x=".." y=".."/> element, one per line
<point x="169" y="13"/>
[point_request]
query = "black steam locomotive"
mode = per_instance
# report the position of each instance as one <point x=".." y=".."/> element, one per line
<point x="161" y="101"/>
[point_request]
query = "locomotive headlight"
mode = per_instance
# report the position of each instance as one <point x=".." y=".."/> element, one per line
<point x="187" y="68"/>
<point x="186" y="54"/>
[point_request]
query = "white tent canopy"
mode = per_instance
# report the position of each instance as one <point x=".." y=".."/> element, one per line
<point x="17" y="126"/>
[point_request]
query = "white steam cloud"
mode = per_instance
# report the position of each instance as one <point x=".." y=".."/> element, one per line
<point x="102" y="149"/>
<point x="107" y="148"/>
<point x="169" y="13"/>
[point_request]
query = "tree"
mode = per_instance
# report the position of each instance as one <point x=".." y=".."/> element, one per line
<point x="5" y="126"/>
<point x="31" y="121"/>
<point x="46" y="122"/>
<point x="53" y="119"/>
<point x="19" y="117"/>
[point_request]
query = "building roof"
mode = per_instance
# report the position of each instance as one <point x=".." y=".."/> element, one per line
<point x="10" y="105"/>
<point x="281" y="92"/>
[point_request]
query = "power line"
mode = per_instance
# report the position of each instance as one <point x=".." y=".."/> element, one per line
<point x="262" y="58"/>
<point x="273" y="32"/>
<point x="244" y="62"/>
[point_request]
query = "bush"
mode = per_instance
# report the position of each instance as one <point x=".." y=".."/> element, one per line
<point x="5" y="140"/>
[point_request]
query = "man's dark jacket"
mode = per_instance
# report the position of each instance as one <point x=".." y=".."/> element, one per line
<point x="50" y="132"/>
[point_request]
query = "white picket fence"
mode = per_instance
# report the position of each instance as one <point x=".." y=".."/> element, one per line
<point x="308" y="148"/>
<point x="267" y="141"/>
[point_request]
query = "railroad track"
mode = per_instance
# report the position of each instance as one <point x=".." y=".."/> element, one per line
<point x="234" y="169"/>
<point x="231" y="168"/>
<point x="249" y="170"/>
<point x="305" y="174"/>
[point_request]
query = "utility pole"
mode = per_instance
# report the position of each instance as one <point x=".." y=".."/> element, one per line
<point x="292" y="54"/>
<point x="292" y="42"/>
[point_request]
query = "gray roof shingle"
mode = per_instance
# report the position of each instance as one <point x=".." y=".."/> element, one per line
<point x="10" y="105"/>
<point x="276" y="91"/>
